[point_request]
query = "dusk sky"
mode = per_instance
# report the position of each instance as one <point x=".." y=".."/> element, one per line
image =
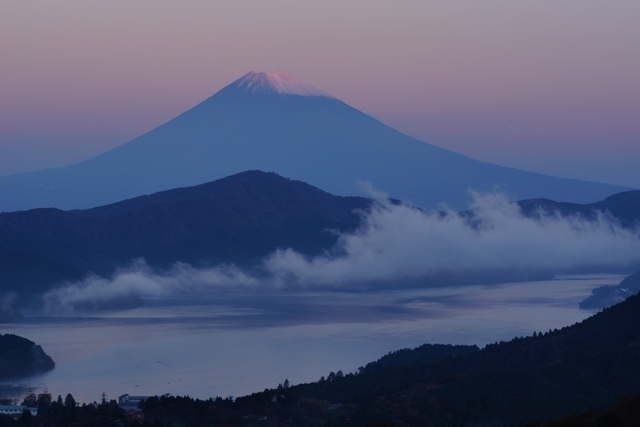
<point x="546" y="86"/>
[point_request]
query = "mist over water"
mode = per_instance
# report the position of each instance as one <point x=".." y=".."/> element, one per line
<point x="235" y="343"/>
<point x="231" y="331"/>
<point x="396" y="246"/>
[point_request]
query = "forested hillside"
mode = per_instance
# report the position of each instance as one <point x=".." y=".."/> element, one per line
<point x="238" y="219"/>
<point x="541" y="377"/>
<point x="20" y="357"/>
<point x="590" y="369"/>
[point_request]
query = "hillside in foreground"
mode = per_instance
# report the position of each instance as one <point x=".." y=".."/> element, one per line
<point x="542" y="377"/>
<point x="587" y="374"/>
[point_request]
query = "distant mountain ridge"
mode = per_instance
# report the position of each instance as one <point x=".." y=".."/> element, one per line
<point x="238" y="219"/>
<point x="277" y="123"/>
<point x="624" y="207"/>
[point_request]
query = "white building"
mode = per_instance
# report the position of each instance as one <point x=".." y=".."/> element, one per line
<point x="129" y="403"/>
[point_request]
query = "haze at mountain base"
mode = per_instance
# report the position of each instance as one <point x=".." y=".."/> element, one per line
<point x="395" y="246"/>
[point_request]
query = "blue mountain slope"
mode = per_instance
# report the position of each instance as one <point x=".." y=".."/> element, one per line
<point x="316" y="139"/>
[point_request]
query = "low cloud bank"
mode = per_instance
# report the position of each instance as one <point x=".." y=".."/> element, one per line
<point x="396" y="243"/>
<point x="139" y="280"/>
<point x="402" y="242"/>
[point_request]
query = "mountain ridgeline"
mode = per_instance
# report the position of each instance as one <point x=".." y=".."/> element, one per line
<point x="420" y="355"/>
<point x="273" y="122"/>
<point x="623" y="207"/>
<point x="542" y="377"/>
<point x="587" y="374"/>
<point x="238" y="219"/>
<point x="591" y="368"/>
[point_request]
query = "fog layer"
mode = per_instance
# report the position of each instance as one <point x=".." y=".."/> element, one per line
<point x="396" y="245"/>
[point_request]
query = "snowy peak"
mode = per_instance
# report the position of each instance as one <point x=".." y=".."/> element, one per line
<point x="275" y="82"/>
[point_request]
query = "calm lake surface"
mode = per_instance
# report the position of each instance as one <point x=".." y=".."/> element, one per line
<point x="206" y="345"/>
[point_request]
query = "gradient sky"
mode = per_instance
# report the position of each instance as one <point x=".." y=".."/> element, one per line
<point x="547" y="86"/>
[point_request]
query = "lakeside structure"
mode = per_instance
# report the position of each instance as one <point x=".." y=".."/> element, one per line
<point x="130" y="403"/>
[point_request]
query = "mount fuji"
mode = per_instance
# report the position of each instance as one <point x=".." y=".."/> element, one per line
<point x="274" y="122"/>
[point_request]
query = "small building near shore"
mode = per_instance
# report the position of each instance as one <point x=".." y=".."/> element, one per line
<point x="130" y="403"/>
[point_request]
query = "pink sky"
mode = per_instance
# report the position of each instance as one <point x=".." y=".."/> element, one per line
<point x="546" y="86"/>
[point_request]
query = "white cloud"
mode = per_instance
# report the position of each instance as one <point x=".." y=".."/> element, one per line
<point x="395" y="243"/>
<point x="403" y="242"/>
<point x="140" y="280"/>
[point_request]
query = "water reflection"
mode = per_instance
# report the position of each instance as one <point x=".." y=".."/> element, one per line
<point x="235" y="343"/>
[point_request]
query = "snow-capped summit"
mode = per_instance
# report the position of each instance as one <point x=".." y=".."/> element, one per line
<point x="275" y="82"/>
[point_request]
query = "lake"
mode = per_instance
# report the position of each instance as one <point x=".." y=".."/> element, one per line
<point x="207" y="345"/>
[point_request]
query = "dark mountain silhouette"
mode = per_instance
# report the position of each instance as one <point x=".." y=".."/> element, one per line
<point x="20" y="358"/>
<point x="587" y="374"/>
<point x="591" y="366"/>
<point x="272" y="122"/>
<point x="542" y="377"/>
<point x="624" y="207"/>
<point x="238" y="219"/>
<point x="424" y="354"/>
<point x="625" y="413"/>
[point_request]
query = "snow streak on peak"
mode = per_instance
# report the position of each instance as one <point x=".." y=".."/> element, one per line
<point x="276" y="82"/>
